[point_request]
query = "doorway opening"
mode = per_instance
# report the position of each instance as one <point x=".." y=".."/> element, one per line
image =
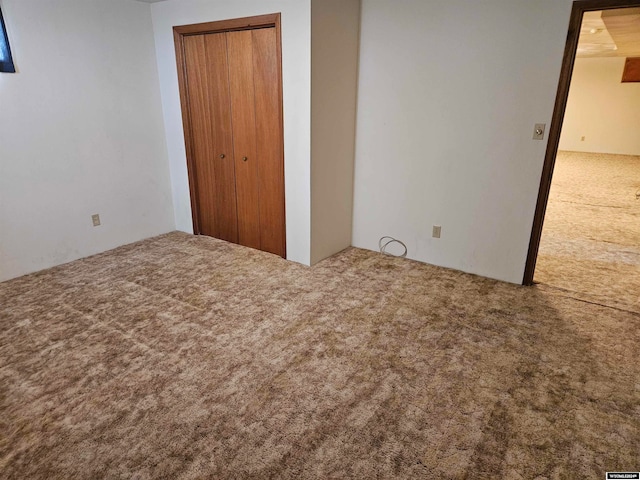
<point x="590" y="214"/>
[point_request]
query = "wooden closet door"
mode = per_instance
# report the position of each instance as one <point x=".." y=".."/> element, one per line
<point x="230" y="80"/>
<point x="257" y="138"/>
<point x="207" y="80"/>
<point x="243" y="120"/>
<point x="269" y="139"/>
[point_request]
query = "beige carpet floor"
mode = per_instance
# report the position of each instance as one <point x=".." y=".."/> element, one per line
<point x="590" y="246"/>
<point x="185" y="357"/>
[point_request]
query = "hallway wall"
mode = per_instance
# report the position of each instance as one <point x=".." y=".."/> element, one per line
<point x="602" y="109"/>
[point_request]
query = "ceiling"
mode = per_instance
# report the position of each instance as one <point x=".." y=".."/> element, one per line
<point x="610" y="33"/>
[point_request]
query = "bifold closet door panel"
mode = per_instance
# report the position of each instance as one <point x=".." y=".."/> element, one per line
<point x="210" y="116"/>
<point x="269" y="140"/>
<point x="243" y="119"/>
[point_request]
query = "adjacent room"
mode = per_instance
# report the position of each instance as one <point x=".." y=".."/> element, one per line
<point x="591" y="239"/>
<point x="287" y="239"/>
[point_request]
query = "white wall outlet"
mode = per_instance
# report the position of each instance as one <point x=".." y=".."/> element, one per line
<point x="437" y="229"/>
<point x="538" y="131"/>
<point x="95" y="219"/>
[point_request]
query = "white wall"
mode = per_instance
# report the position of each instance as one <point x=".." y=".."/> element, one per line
<point x="602" y="109"/>
<point x="80" y="133"/>
<point x="335" y="28"/>
<point x="296" y="66"/>
<point x="449" y="92"/>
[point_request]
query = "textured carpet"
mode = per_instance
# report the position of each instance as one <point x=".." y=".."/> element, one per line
<point x="590" y="246"/>
<point x="186" y="357"/>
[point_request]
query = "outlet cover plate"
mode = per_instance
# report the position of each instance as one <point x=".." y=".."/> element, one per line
<point x="95" y="219"/>
<point x="437" y="230"/>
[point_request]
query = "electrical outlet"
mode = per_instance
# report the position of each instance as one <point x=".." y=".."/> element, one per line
<point x="95" y="219"/>
<point x="538" y="131"/>
<point x="582" y="138"/>
<point x="437" y="229"/>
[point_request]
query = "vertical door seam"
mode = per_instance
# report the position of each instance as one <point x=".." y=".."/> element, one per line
<point x="232" y="143"/>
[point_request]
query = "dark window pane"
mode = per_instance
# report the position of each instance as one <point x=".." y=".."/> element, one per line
<point x="6" y="62"/>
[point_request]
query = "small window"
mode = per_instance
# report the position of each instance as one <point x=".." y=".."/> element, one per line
<point x="6" y="61"/>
